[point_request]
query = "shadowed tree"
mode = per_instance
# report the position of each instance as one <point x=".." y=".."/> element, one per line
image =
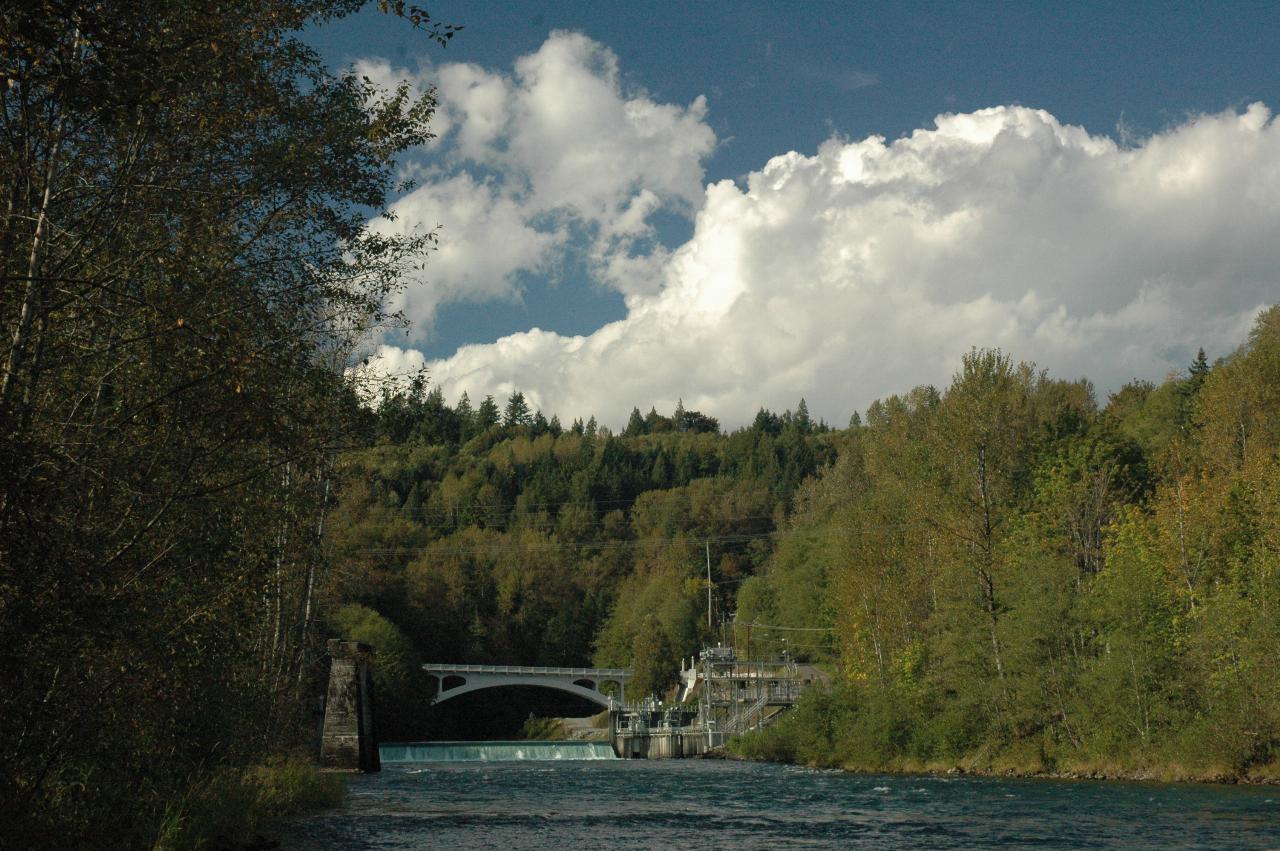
<point x="187" y="270"/>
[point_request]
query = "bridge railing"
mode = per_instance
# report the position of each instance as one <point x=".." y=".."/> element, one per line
<point x="594" y="673"/>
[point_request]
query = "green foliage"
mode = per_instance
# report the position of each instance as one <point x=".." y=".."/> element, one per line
<point x="521" y="543"/>
<point x="653" y="659"/>
<point x="233" y="806"/>
<point x="400" y="687"/>
<point x="794" y="591"/>
<point x="1002" y="574"/>
<point x="812" y="733"/>
<point x="186" y="192"/>
<point x="517" y="412"/>
<point x="543" y="729"/>
<point x="1023" y="581"/>
<point x="664" y="598"/>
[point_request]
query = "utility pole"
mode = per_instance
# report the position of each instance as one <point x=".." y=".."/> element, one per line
<point x="709" y="627"/>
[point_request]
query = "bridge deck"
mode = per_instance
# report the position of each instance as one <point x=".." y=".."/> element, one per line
<point x="527" y="670"/>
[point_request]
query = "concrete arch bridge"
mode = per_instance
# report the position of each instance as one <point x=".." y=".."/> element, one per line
<point x="456" y="680"/>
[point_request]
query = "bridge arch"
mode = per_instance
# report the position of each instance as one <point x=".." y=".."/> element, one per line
<point x="570" y="688"/>
<point x="456" y="680"/>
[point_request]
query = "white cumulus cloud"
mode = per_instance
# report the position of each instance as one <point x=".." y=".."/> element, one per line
<point x="870" y="266"/>
<point x="484" y="241"/>
<point x="559" y="146"/>
<point x="387" y="368"/>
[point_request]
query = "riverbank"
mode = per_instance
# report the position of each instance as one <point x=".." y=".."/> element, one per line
<point x="1159" y="774"/>
<point x="591" y="728"/>
<point x="234" y="809"/>
<point x="743" y="749"/>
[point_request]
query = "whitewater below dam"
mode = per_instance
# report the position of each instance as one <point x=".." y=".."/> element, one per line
<point x="561" y="795"/>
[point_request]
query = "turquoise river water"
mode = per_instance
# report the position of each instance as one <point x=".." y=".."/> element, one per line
<point x="570" y="795"/>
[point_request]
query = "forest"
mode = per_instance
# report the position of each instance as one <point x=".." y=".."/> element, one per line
<point x="1003" y="574"/>
<point x="488" y="535"/>
<point x="1020" y="580"/>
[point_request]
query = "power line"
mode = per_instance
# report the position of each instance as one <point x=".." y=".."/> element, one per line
<point x="439" y="548"/>
<point x="526" y="521"/>
<point x="465" y="511"/>
<point x="508" y="507"/>
<point x="551" y="545"/>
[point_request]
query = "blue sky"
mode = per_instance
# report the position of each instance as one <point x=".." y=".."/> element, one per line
<point x="737" y="84"/>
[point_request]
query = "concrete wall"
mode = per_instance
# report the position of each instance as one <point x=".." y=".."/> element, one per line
<point x="659" y="744"/>
<point x="348" y="742"/>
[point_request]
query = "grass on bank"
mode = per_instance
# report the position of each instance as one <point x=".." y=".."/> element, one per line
<point x="229" y="809"/>
<point x="559" y="729"/>
<point x="838" y="729"/>
<point x="543" y="729"/>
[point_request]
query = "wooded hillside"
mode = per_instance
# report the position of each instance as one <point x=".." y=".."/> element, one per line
<point x="1001" y="570"/>
<point x="1019" y="578"/>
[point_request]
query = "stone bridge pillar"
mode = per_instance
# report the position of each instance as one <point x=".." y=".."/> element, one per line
<point x="348" y="742"/>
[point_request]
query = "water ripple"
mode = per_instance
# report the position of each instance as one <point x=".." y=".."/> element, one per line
<point x="714" y="804"/>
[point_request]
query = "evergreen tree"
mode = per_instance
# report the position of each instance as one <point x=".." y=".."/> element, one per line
<point x="1200" y="366"/>
<point x="466" y="417"/>
<point x="801" y="418"/>
<point x="437" y="423"/>
<point x="516" y="412"/>
<point x="1189" y="388"/>
<point x="767" y="422"/>
<point x="694" y="421"/>
<point x="487" y="414"/>
<point x="660" y="475"/>
<point x="655" y="422"/>
<point x="635" y="425"/>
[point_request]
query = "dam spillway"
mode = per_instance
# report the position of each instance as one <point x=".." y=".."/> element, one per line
<point x="518" y="751"/>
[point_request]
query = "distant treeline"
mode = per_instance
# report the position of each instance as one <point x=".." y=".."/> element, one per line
<point x="1017" y="578"/>
<point x="1000" y="574"/>
<point x="462" y="534"/>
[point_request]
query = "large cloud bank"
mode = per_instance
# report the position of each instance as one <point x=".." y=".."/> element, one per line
<point x="863" y="269"/>
<point x="559" y="157"/>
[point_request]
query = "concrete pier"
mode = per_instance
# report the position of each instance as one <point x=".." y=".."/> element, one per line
<point x="660" y="744"/>
<point x="647" y="731"/>
<point x="348" y="742"/>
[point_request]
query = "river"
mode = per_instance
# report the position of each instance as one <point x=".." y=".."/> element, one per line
<point x="540" y="801"/>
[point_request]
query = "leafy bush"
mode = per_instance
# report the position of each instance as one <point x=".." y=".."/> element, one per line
<point x="232" y="806"/>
